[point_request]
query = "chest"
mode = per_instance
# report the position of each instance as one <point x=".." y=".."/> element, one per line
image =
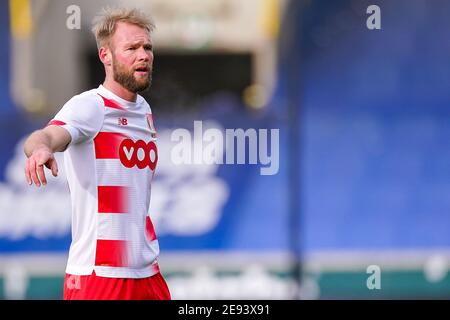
<point x="135" y="138"/>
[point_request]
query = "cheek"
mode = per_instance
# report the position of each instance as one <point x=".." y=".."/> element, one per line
<point x="124" y="59"/>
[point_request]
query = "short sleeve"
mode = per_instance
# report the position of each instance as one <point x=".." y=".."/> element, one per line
<point x="82" y="116"/>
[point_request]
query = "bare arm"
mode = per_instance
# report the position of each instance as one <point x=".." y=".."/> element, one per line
<point x="39" y="148"/>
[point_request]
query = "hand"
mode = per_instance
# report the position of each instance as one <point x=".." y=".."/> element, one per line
<point x="34" y="166"/>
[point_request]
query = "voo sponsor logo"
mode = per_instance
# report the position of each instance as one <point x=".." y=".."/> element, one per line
<point x="139" y="153"/>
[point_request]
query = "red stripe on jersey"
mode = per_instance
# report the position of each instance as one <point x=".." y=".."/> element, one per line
<point x="112" y="199"/>
<point x="149" y="229"/>
<point x="109" y="103"/>
<point x="111" y="253"/>
<point x="107" y="145"/>
<point x="56" y="123"/>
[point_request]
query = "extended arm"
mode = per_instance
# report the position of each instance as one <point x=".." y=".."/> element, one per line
<point x="40" y="148"/>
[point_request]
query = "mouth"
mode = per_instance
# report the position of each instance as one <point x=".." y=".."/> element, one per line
<point x="142" y="70"/>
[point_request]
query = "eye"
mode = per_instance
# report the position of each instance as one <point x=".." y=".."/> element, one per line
<point x="148" y="48"/>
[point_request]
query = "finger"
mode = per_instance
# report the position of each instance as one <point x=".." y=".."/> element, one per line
<point x="34" y="176"/>
<point x="41" y="174"/>
<point x="54" y="167"/>
<point x="27" y="172"/>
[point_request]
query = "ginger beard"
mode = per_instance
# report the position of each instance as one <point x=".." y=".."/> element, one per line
<point x="129" y="79"/>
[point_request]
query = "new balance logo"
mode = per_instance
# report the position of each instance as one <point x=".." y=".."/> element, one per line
<point x="123" y="121"/>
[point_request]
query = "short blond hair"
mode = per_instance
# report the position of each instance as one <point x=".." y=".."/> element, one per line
<point x="104" y="24"/>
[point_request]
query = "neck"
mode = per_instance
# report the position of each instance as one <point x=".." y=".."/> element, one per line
<point x="119" y="90"/>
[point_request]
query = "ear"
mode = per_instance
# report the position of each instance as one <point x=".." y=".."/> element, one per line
<point x="105" y="56"/>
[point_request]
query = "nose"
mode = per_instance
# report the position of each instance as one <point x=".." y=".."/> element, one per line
<point x="144" y="55"/>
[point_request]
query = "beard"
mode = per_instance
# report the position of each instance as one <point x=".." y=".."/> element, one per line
<point x="128" y="80"/>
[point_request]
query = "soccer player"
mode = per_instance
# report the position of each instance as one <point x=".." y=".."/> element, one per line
<point x="108" y="138"/>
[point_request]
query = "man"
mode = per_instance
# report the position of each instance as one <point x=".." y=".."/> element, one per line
<point x="110" y="157"/>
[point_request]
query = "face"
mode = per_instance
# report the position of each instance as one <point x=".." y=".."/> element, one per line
<point x="132" y="57"/>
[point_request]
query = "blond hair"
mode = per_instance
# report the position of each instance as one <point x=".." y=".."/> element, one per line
<point x="104" y="24"/>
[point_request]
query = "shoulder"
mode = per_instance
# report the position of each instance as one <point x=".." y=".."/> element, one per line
<point x="85" y="107"/>
<point x="87" y="98"/>
<point x="88" y="103"/>
<point x="144" y="104"/>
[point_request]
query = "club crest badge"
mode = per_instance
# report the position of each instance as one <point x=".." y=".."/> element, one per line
<point x="151" y="125"/>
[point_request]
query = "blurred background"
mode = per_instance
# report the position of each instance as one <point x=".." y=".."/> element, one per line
<point x="364" y="164"/>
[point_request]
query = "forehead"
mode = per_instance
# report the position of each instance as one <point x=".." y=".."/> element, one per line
<point x="130" y="33"/>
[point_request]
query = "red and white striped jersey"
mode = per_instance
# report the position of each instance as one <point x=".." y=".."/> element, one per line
<point x="110" y="164"/>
